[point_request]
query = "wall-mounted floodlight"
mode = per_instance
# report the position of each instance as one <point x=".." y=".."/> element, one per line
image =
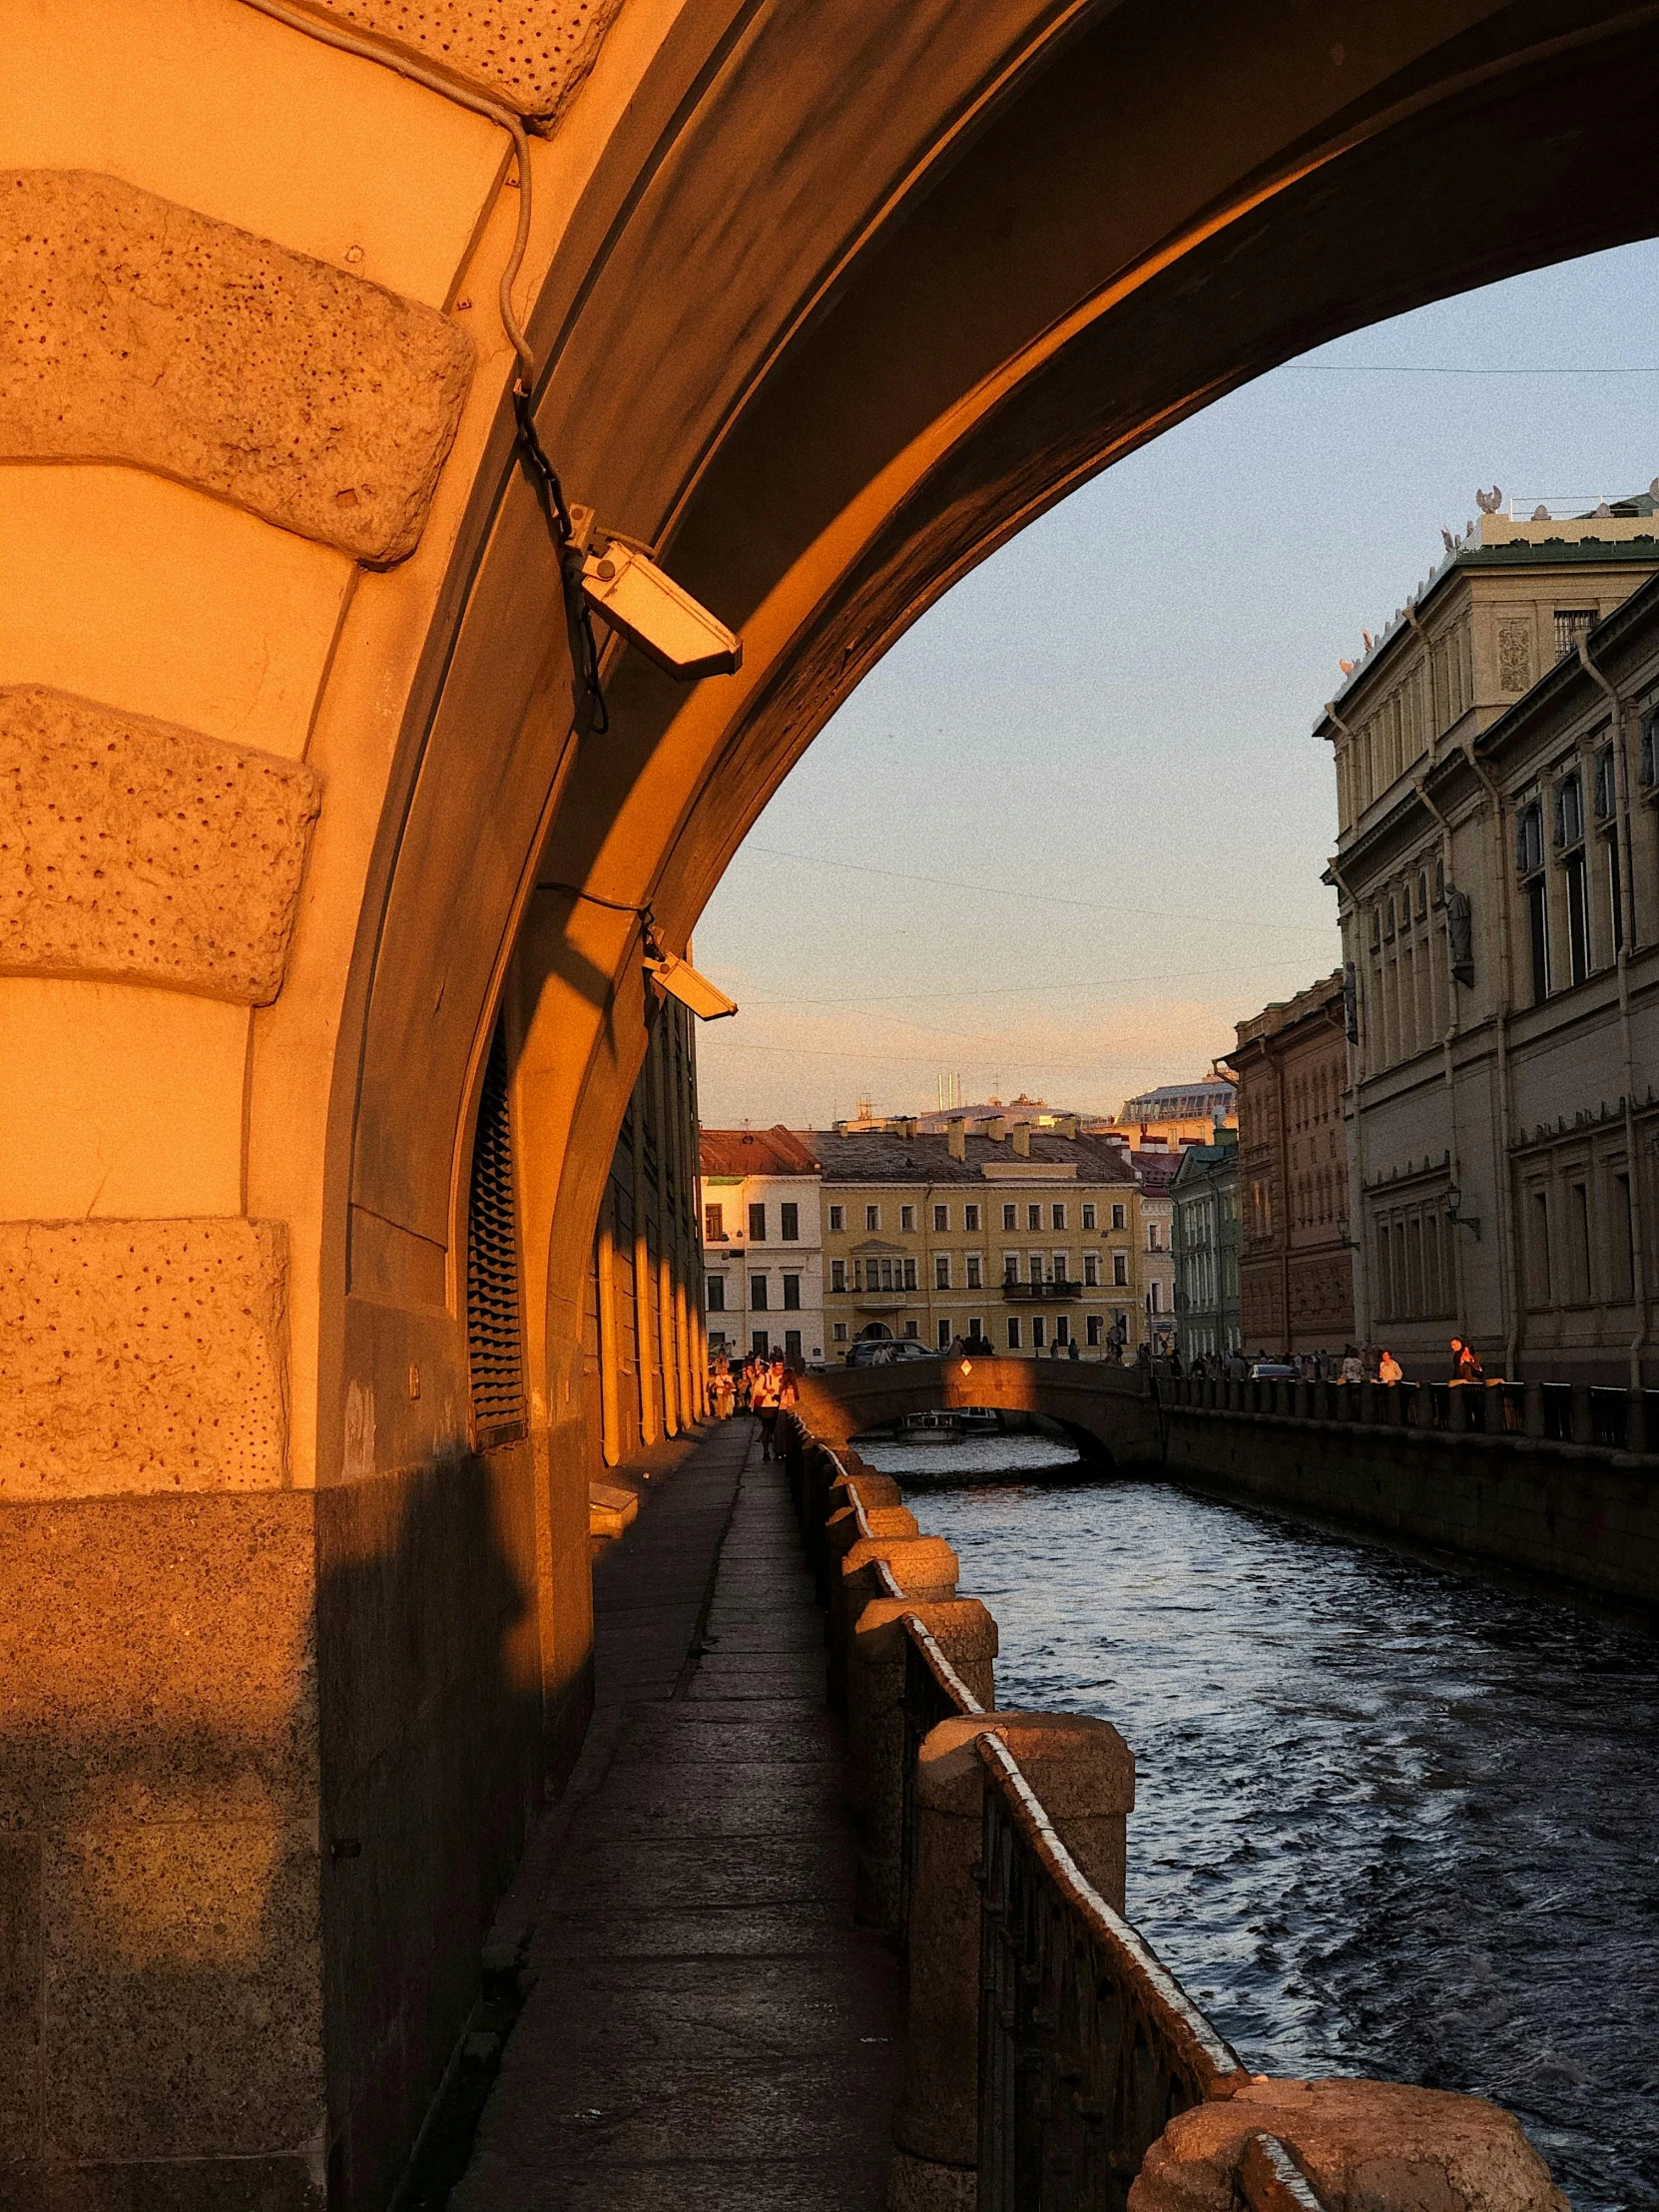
<point x="629" y="591"/>
<point x="682" y="981"/>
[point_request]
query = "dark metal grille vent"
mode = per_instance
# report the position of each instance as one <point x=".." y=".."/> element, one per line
<point x="493" y="1338"/>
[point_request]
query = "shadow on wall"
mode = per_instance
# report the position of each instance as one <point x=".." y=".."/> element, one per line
<point x="267" y="1763"/>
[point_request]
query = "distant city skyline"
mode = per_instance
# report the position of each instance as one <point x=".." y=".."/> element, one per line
<point x="1072" y="828"/>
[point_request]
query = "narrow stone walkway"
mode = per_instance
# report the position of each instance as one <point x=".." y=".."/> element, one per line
<point x="706" y="2030"/>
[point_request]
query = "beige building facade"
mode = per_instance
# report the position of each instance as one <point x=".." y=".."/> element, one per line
<point x="1026" y="1237"/>
<point x="1499" y="896"/>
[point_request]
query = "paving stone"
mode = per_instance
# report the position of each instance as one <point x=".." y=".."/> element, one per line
<point x="704" y="2026"/>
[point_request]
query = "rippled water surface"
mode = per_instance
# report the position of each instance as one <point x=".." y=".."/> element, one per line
<point x="1389" y="1822"/>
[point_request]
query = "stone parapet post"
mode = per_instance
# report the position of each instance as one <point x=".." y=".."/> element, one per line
<point x="1370" y="2143"/>
<point x="923" y="1567"/>
<point x="967" y="1634"/>
<point x="1084" y="1773"/>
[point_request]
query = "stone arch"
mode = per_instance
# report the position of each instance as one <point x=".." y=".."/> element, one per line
<point x="828" y="321"/>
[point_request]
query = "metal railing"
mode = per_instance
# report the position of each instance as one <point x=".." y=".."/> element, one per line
<point x="1088" y="2046"/>
<point x="1589" y="1415"/>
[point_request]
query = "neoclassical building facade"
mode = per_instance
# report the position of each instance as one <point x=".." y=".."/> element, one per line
<point x="1498" y="878"/>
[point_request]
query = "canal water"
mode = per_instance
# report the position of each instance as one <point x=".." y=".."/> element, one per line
<point x="1389" y="1821"/>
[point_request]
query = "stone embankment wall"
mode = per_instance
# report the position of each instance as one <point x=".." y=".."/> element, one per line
<point x="1046" y="2044"/>
<point x="1561" y="1508"/>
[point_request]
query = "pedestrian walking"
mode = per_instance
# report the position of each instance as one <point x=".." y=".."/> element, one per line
<point x="762" y="1398"/>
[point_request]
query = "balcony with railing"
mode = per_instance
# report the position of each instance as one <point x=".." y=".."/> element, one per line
<point x="1040" y="1294"/>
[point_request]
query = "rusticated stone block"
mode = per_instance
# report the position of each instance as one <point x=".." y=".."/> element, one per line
<point x="530" y="55"/>
<point x="131" y="848"/>
<point x="141" y="1356"/>
<point x="133" y="329"/>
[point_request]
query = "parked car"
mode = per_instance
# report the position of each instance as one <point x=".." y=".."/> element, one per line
<point x="883" y="1352"/>
<point x="1272" y="1370"/>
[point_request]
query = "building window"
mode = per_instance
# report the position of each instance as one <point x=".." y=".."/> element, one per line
<point x="1529" y="837"/>
<point x="1569" y="810"/>
<point x="1537" y="933"/>
<point x="1571" y="623"/>
<point x="1033" y="1217"/>
<point x="1578" y="917"/>
<point x="838" y="1333"/>
<point x="1088" y="1217"/>
<point x="792" y="1344"/>
<point x="1624" y="1242"/>
<point x="1120" y="1217"/>
<point x="941" y="1217"/>
<point x="1013" y="1331"/>
<point x="1010" y="1267"/>
<point x="941" y="1270"/>
<point x="911" y="1274"/>
<point x="1010" y="1217"/>
<point x="1092" y="1325"/>
<point x="971" y="1217"/>
<point x="1062" y="1330"/>
<point x="944" y="1336"/>
<point x="1604" y="785"/>
<point x="1120" y="1269"/>
<point x="872" y="1217"/>
<point x="713" y="1225"/>
<point x="974" y="1282"/>
<point x="907" y="1219"/>
<point x="837" y="1220"/>
<point x="838" y="1274"/>
<point x="760" y="1344"/>
<point x="791" y="1294"/>
<point x="1154" y="1237"/>
<point x="757" y="1225"/>
<point x="1648" y="767"/>
<point x="757" y="1294"/>
<point x="1578" y="1254"/>
<point x="1056" y="1216"/>
<point x="789" y="1222"/>
<point x="1060" y="1271"/>
<point x="1153" y="1298"/>
<point x="1091" y="1270"/>
<point x="975" y="1329"/>
<point x="1036" y="1267"/>
<point x="717" y="1293"/>
<point x="1039" y="1333"/>
<point x="912" y="1329"/>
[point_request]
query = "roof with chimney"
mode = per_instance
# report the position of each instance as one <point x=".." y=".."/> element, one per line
<point x="773" y="1151"/>
<point x="890" y="1156"/>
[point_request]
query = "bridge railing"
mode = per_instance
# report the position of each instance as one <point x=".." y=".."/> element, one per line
<point x="1088" y="2045"/>
<point x="1589" y="1415"/>
<point x="1052" y="2060"/>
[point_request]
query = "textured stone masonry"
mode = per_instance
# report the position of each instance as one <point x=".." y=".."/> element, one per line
<point x="133" y="329"/>
<point x="142" y="1356"/>
<point x="529" y="55"/>
<point x="133" y="849"/>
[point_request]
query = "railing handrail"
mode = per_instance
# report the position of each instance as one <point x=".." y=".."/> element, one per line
<point x="927" y="1646"/>
<point x="1273" y="2182"/>
<point x="1215" y="2064"/>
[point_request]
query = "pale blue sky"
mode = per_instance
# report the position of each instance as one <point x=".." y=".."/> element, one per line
<point x="1102" y="738"/>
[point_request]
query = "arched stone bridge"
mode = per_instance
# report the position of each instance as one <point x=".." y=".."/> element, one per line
<point x="1107" y="1412"/>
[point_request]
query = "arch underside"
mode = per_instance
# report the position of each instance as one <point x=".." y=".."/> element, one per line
<point x="828" y="307"/>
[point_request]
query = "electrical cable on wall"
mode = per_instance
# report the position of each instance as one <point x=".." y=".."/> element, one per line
<point x="604" y="572"/>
